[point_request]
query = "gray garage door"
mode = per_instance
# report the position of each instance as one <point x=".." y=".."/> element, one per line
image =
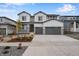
<point x="2" y="31"/>
<point x="53" y="30"/>
<point x="39" y="30"/>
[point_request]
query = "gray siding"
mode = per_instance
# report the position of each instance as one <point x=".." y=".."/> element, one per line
<point x="67" y="25"/>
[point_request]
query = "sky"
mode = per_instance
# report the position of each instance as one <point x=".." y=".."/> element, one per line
<point x="12" y="9"/>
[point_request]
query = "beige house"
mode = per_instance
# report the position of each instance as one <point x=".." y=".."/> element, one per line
<point x="7" y="25"/>
<point x="41" y="23"/>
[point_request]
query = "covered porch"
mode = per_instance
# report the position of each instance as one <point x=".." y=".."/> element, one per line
<point x="74" y="26"/>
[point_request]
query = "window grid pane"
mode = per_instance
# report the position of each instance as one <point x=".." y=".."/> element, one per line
<point x="23" y="18"/>
<point x="40" y="18"/>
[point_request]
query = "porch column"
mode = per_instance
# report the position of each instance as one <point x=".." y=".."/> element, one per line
<point x="6" y="30"/>
<point x="62" y="30"/>
<point x="74" y="26"/>
<point x="28" y="28"/>
<point x="43" y="30"/>
<point x="34" y="30"/>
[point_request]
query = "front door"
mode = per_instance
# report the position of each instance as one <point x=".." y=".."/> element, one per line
<point x="31" y="27"/>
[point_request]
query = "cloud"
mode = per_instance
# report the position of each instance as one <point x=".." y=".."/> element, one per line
<point x="5" y="5"/>
<point x="7" y="10"/>
<point x="16" y="4"/>
<point x="66" y="8"/>
<point x="12" y="7"/>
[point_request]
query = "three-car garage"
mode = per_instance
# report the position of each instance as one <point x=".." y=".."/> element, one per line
<point x="48" y="30"/>
<point x="52" y="27"/>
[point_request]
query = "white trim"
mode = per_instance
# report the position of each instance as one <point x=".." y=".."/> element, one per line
<point x="43" y="30"/>
<point x="62" y="30"/>
<point x="74" y="26"/>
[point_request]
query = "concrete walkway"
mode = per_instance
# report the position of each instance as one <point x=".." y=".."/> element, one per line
<point x="53" y="45"/>
<point x="14" y="43"/>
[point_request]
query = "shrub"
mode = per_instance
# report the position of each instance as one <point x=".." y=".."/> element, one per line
<point x="19" y="46"/>
<point x="31" y="34"/>
<point x="5" y="52"/>
<point x="7" y="47"/>
<point x="29" y="37"/>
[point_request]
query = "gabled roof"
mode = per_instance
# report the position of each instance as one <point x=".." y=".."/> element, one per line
<point x="40" y="12"/>
<point x="70" y="16"/>
<point x="7" y="18"/>
<point x="52" y="15"/>
<point x="46" y="14"/>
<point x="23" y="12"/>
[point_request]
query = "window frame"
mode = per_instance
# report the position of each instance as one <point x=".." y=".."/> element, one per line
<point x="1" y="20"/>
<point x="23" y="18"/>
<point x="40" y="18"/>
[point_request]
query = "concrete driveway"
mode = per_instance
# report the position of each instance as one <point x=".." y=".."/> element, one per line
<point x="53" y="45"/>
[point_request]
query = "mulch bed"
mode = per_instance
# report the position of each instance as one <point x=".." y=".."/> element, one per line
<point x="20" y="40"/>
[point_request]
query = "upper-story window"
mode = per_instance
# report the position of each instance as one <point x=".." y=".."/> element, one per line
<point x="55" y="17"/>
<point x="72" y="18"/>
<point x="77" y="18"/>
<point x="40" y="18"/>
<point x="1" y="20"/>
<point x="24" y="18"/>
<point x="50" y="17"/>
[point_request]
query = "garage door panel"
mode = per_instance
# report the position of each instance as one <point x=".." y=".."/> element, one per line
<point x="53" y="30"/>
<point x="39" y="30"/>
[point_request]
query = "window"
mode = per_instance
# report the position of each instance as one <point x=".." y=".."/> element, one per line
<point x="50" y="17"/>
<point x="0" y="19"/>
<point x="54" y="17"/>
<point x="73" y="17"/>
<point x="40" y="18"/>
<point x="22" y="26"/>
<point x="23" y="18"/>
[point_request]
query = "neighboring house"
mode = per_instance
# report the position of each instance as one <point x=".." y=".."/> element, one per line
<point x="41" y="23"/>
<point x="71" y="23"/>
<point x="7" y="25"/>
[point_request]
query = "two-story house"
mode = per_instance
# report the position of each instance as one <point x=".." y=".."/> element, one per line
<point x="7" y="25"/>
<point x="41" y="23"/>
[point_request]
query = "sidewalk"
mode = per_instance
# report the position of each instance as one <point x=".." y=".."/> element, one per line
<point x="14" y="44"/>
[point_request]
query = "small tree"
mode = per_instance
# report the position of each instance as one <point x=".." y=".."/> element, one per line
<point x="18" y="29"/>
<point x="18" y="26"/>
